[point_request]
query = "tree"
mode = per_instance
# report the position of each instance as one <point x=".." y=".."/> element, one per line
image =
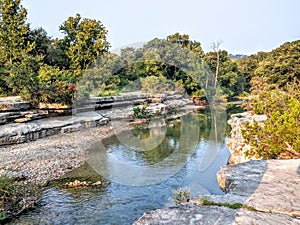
<point x="183" y="41"/>
<point x="85" y="40"/>
<point x="216" y="48"/>
<point x="15" y="46"/>
<point x="41" y="42"/>
<point x="226" y="73"/>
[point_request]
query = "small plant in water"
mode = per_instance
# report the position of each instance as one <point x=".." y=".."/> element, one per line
<point x="181" y="195"/>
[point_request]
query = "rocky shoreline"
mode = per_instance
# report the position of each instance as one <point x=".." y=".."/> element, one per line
<point x="44" y="149"/>
<point x="266" y="191"/>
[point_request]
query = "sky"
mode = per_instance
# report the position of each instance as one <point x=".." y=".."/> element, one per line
<point x="243" y="26"/>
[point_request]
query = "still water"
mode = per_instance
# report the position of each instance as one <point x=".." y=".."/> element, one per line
<point x="145" y="165"/>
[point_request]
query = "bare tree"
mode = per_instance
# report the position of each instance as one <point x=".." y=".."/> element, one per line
<point x="216" y="48"/>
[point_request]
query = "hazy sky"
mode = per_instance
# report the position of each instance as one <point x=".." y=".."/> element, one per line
<point x="244" y="26"/>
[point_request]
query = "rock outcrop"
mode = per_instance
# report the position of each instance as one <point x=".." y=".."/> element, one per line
<point x="235" y="142"/>
<point x="21" y="123"/>
<point x="188" y="214"/>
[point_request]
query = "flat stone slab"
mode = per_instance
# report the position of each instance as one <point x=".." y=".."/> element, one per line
<point x="189" y="214"/>
<point x="24" y="132"/>
<point x="269" y="185"/>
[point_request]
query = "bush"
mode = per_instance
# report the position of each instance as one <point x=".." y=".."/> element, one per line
<point x="279" y="136"/>
<point x="56" y="86"/>
<point x="141" y="113"/>
<point x="156" y="85"/>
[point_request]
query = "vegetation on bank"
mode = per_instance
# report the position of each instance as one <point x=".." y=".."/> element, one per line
<point x="275" y="92"/>
<point x="16" y="198"/>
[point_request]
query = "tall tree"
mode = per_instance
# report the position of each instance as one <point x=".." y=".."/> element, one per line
<point x="216" y="48"/>
<point x="86" y="41"/>
<point x="13" y="32"/>
<point x="15" y="46"/>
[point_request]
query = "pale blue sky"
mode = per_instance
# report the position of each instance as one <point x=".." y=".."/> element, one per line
<point x="244" y="26"/>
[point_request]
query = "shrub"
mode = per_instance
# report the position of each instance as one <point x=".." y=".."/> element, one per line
<point x="56" y="86"/>
<point x="279" y="136"/>
<point x="141" y="113"/>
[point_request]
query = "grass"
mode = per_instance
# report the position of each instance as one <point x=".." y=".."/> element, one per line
<point x="235" y="205"/>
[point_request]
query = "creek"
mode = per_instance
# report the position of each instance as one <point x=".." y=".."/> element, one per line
<point x="145" y="165"/>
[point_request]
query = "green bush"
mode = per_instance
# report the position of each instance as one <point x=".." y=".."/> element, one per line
<point x="279" y="136"/>
<point x="141" y="113"/>
<point x="156" y="85"/>
<point x="56" y="86"/>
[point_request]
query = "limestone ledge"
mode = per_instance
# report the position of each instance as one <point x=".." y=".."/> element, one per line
<point x="21" y="126"/>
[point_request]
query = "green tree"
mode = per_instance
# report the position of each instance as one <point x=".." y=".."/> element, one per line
<point x="15" y="47"/>
<point x="85" y="40"/>
<point x="41" y="42"/>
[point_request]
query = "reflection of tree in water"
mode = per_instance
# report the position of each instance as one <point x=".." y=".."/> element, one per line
<point x="164" y="149"/>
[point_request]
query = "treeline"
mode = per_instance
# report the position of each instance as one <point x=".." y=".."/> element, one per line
<point x="43" y="69"/>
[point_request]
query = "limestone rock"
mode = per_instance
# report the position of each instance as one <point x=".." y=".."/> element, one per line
<point x="267" y="185"/>
<point x="235" y="141"/>
<point x="188" y="214"/>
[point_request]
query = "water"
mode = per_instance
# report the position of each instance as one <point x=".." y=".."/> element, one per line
<point x="189" y="155"/>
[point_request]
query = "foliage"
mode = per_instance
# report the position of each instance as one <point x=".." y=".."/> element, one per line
<point x="230" y="80"/>
<point x="236" y="205"/>
<point x="142" y="113"/>
<point x="85" y="40"/>
<point x="15" y="198"/>
<point x="247" y="66"/>
<point x="55" y="85"/>
<point x="14" y="45"/>
<point x="181" y="195"/>
<point x="282" y="65"/>
<point x="155" y="85"/>
<point x="279" y="136"/>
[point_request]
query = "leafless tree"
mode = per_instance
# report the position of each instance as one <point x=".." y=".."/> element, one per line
<point x="216" y="48"/>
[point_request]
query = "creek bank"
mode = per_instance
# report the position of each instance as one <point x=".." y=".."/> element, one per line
<point x="20" y="125"/>
<point x="269" y="190"/>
